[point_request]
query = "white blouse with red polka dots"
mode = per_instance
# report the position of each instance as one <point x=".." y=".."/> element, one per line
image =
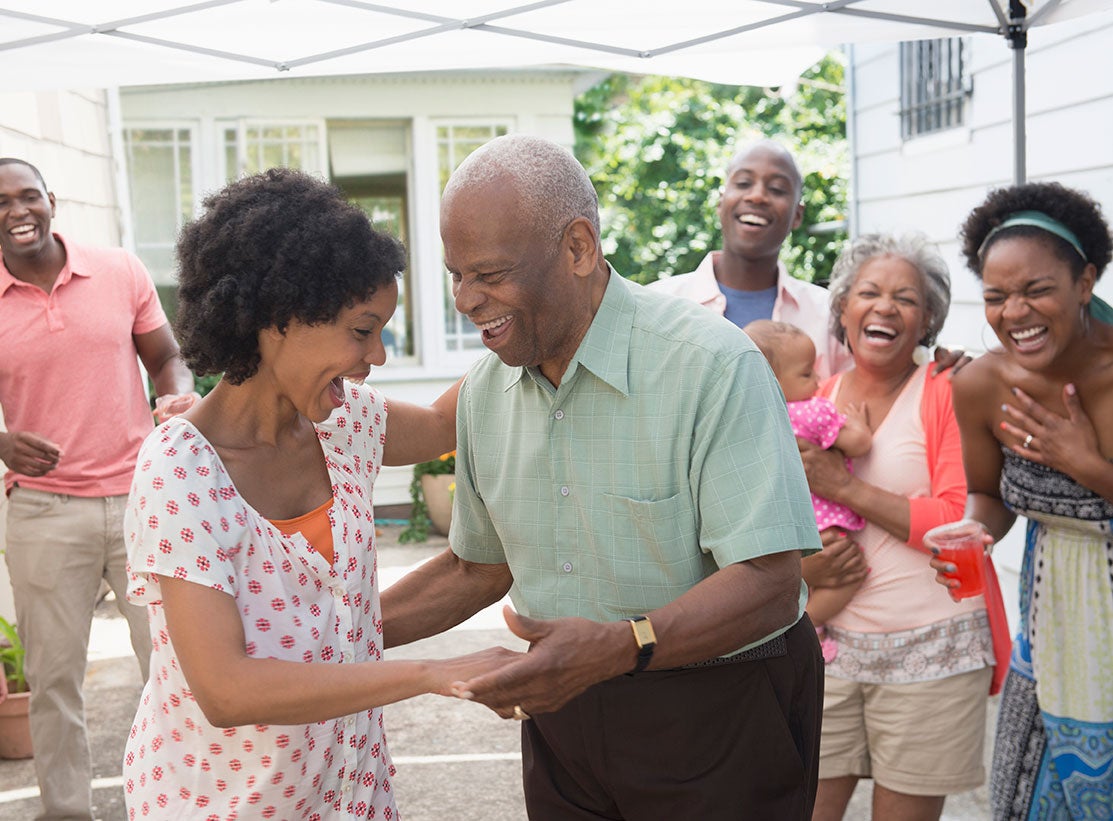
<point x="186" y="520"/>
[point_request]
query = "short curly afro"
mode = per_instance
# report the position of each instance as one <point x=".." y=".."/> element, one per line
<point x="1076" y="210"/>
<point x="271" y="248"/>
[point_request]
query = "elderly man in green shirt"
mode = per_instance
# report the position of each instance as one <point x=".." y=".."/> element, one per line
<point x="626" y="469"/>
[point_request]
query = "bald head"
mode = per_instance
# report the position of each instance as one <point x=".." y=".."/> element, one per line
<point x="552" y="187"/>
<point x="774" y="151"/>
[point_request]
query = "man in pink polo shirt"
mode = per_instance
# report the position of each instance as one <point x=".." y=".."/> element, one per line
<point x="73" y="321"/>
<point x="758" y="208"/>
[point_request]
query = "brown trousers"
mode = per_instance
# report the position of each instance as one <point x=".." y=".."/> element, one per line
<point x="730" y="741"/>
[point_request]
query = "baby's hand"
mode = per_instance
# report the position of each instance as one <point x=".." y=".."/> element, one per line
<point x="859" y="414"/>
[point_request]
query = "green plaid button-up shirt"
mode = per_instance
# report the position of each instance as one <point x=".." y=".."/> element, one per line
<point x="665" y="454"/>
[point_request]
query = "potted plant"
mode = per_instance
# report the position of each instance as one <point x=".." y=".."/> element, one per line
<point x="15" y="724"/>
<point x="431" y="494"/>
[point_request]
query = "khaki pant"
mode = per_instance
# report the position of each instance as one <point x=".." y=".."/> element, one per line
<point x="59" y="549"/>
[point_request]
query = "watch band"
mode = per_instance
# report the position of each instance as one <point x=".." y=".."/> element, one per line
<point x="646" y="640"/>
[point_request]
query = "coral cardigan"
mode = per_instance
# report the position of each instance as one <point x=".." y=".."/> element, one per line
<point x="948" y="492"/>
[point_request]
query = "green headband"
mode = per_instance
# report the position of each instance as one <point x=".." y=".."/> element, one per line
<point x="1037" y="219"/>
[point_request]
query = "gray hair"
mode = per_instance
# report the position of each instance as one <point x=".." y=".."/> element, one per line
<point x="554" y="187"/>
<point x="915" y="249"/>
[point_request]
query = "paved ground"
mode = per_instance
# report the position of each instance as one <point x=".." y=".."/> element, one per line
<point x="456" y="761"/>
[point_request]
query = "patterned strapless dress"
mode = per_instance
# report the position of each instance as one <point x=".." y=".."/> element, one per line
<point x="1053" y="756"/>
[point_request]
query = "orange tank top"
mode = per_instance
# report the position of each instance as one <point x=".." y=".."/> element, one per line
<point x="314" y="526"/>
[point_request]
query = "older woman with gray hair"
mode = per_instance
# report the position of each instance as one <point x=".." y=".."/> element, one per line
<point x="906" y="691"/>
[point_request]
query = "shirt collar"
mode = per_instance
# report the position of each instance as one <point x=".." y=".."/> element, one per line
<point x="77" y="264"/>
<point x="605" y="348"/>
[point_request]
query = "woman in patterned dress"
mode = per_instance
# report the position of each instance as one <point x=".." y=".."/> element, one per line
<point x="905" y="697"/>
<point x="1037" y="432"/>
<point x="250" y="523"/>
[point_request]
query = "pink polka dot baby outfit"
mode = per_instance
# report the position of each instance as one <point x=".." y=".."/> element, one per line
<point x="819" y="421"/>
<point x="186" y="520"/>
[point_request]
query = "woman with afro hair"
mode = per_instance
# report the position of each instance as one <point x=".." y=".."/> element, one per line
<point x="1036" y="417"/>
<point x="250" y="525"/>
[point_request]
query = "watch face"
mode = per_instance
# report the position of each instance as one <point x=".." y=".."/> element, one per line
<point x="643" y="632"/>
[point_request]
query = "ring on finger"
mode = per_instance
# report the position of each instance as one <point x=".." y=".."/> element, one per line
<point x="1027" y="441"/>
<point x="520" y="714"/>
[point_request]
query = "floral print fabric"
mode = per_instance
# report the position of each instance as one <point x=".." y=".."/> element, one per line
<point x="186" y="520"/>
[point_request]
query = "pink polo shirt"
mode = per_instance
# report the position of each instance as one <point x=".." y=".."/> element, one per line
<point x="69" y="371"/>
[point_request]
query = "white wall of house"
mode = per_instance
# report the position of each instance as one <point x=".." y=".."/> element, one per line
<point x="930" y="183"/>
<point x="341" y="113"/>
<point x="65" y="135"/>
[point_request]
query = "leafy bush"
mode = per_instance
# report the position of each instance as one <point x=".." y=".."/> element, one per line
<point x="656" y="149"/>
<point x="12" y="655"/>
<point x="418" y="528"/>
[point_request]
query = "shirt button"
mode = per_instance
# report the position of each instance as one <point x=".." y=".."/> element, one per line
<point x="558" y="415"/>
<point x="564" y="491"/>
<point x="566" y="567"/>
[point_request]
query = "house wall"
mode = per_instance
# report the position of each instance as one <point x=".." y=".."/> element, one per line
<point x="930" y="183"/>
<point x="534" y="102"/>
<point x="65" y="135"/>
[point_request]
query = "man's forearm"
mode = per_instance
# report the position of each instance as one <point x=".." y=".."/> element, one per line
<point x="173" y="377"/>
<point x="738" y="605"/>
<point x="439" y="595"/>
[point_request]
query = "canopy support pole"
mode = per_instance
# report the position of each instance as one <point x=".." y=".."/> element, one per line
<point x="1016" y="33"/>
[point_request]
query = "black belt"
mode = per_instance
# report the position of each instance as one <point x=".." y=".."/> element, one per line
<point x="774" y="648"/>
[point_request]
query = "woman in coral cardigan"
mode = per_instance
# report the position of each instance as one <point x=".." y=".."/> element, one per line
<point x="906" y="692"/>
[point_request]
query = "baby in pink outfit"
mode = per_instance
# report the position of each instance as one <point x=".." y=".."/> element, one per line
<point x="791" y="355"/>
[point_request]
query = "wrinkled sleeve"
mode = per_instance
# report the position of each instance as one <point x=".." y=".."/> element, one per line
<point x="184" y="518"/>
<point x="149" y="315"/>
<point x="753" y="495"/>
<point x="472" y="534"/>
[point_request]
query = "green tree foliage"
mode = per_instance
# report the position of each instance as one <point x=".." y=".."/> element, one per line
<point x="657" y="147"/>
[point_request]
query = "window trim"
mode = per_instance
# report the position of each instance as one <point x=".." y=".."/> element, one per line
<point x="195" y="170"/>
<point x="925" y="108"/>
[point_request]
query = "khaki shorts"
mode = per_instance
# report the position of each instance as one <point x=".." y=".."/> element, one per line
<point x="925" y="738"/>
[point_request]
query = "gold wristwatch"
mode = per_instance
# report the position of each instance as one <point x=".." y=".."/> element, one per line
<point x="646" y="639"/>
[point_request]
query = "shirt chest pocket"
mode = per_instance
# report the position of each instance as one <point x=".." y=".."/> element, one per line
<point x="655" y="544"/>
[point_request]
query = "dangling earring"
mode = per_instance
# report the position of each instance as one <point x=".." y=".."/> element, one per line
<point x="986" y="347"/>
<point x="1084" y="312"/>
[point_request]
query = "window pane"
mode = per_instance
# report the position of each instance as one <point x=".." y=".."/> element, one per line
<point x="160" y="180"/>
<point x="454" y="144"/>
<point x="933" y="86"/>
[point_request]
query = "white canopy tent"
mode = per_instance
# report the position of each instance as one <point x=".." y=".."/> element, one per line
<point x="110" y="43"/>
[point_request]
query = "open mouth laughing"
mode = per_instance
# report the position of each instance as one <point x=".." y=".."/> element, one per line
<point x="1028" y="339"/>
<point x="23" y="233"/>
<point x="880" y="333"/>
<point x="494" y="328"/>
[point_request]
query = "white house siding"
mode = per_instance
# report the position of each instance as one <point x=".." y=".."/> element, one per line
<point x="65" y="135"/>
<point x="535" y="102"/>
<point x="930" y="183"/>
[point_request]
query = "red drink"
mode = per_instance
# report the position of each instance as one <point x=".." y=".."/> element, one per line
<point x="961" y="544"/>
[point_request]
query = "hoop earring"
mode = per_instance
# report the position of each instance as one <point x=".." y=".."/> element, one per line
<point x="985" y="347"/>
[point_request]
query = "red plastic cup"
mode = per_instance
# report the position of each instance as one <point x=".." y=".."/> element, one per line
<point x="962" y="544"/>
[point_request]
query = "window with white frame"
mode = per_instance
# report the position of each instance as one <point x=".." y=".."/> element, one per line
<point x="250" y="147"/>
<point x="934" y="85"/>
<point x="455" y="141"/>
<point x="161" y="183"/>
<point x="369" y="160"/>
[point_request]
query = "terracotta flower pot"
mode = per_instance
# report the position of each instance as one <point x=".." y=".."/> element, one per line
<point x="438" y="500"/>
<point x="15" y="726"/>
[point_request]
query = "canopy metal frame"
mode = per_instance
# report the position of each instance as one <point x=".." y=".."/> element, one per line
<point x="1012" y="22"/>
